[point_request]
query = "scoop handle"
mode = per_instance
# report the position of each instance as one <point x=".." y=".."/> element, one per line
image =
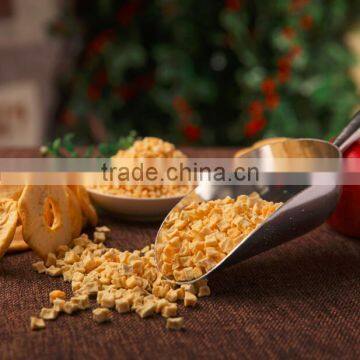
<point x="349" y="134"/>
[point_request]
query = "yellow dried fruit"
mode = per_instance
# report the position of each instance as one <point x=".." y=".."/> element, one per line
<point x="8" y="223"/>
<point x="101" y="315"/>
<point x="39" y="266"/>
<point x="87" y="207"/>
<point x="128" y="281"/>
<point x="175" y="323"/>
<point x="58" y="304"/>
<point x="49" y="313"/>
<point x="56" y="294"/>
<point x="12" y="192"/>
<point x="196" y="238"/>
<point x="18" y="243"/>
<point x="189" y="299"/>
<point x="36" y="323"/>
<point x="42" y="232"/>
<point x="148" y="148"/>
<point x="75" y="213"/>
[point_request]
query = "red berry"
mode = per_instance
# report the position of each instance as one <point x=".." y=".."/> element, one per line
<point x="254" y="126"/>
<point x="192" y="132"/>
<point x="233" y="5"/>
<point x="181" y="105"/>
<point x="268" y="86"/>
<point x="145" y="82"/>
<point x="295" y="51"/>
<point x="284" y="63"/>
<point x="272" y="101"/>
<point x="298" y="4"/>
<point x="306" y="22"/>
<point x="288" y="32"/>
<point x="127" y="92"/>
<point x="256" y="109"/>
<point x="284" y="76"/>
<point x="127" y="12"/>
<point x="93" y="92"/>
<point x="97" y="45"/>
<point x="229" y="40"/>
<point x="101" y="78"/>
<point x="68" y="118"/>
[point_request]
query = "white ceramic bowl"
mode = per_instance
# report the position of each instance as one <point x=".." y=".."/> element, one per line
<point x="134" y="208"/>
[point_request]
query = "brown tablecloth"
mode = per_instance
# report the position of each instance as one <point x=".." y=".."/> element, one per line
<point x="300" y="300"/>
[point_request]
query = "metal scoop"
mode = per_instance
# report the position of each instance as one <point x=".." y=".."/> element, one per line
<point x="304" y="208"/>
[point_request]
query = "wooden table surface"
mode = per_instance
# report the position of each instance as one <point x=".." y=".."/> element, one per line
<point x="300" y="300"/>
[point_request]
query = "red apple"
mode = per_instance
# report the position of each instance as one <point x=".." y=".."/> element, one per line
<point x="346" y="217"/>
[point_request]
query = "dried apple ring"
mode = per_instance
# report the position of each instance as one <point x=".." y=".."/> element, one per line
<point x="48" y="212"/>
<point x="11" y="191"/>
<point x="45" y="216"/>
<point x="18" y="244"/>
<point x="87" y="207"/>
<point x="8" y="221"/>
<point x="75" y="214"/>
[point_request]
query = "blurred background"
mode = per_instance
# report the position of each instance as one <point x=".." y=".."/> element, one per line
<point x="197" y="72"/>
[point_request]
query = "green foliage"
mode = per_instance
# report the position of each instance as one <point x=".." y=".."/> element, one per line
<point x="66" y="146"/>
<point x="189" y="70"/>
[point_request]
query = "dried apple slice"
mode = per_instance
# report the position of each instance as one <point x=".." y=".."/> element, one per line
<point x="8" y="221"/>
<point x="18" y="244"/>
<point x="11" y="191"/>
<point x="75" y="214"/>
<point x="45" y="216"/>
<point x="87" y="207"/>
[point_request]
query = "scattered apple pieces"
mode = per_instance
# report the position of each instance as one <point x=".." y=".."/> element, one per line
<point x="56" y="294"/>
<point x="175" y="323"/>
<point x="103" y="229"/>
<point x="39" y="266"/>
<point x="58" y="304"/>
<point x="37" y="323"/>
<point x="49" y="313"/>
<point x="101" y="315"/>
<point x="120" y="281"/>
